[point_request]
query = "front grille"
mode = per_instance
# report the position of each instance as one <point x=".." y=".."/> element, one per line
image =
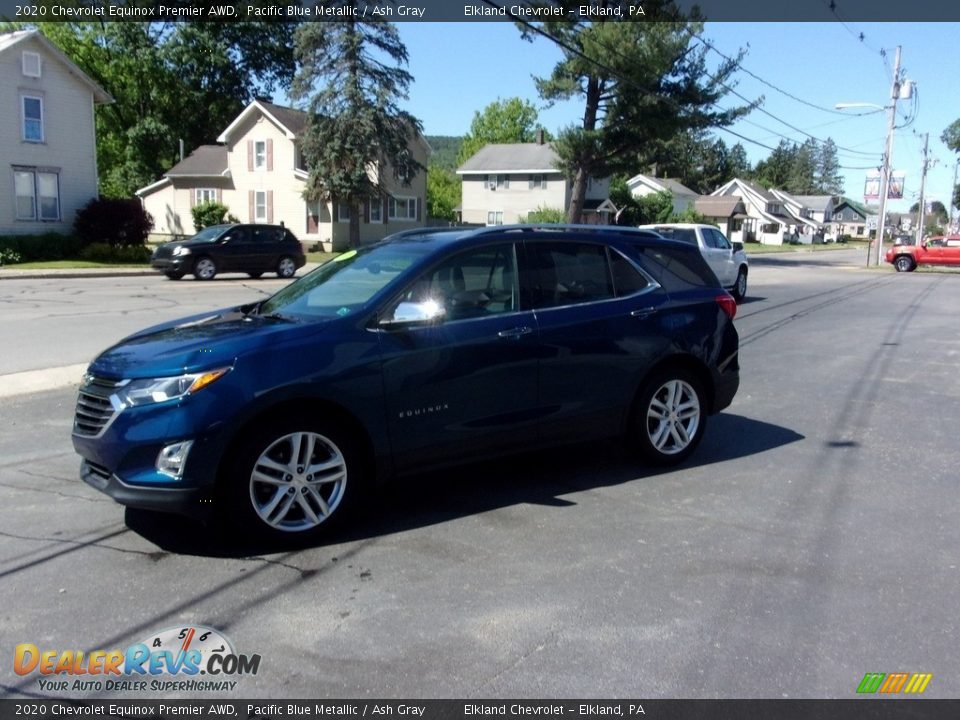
<point x="95" y="409"/>
<point x="163" y="253"/>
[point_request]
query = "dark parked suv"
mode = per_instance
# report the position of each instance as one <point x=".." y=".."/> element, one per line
<point x="428" y="349"/>
<point x="251" y="249"/>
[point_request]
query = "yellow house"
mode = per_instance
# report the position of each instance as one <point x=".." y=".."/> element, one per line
<point x="258" y="173"/>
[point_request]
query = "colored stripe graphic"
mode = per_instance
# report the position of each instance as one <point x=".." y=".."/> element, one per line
<point x="918" y="682"/>
<point x="890" y="684"/>
<point x="871" y="682"/>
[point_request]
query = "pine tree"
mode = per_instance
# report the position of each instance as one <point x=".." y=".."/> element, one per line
<point x="829" y="179"/>
<point x="355" y="126"/>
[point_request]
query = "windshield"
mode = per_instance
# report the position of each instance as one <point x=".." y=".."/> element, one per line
<point x="346" y="283"/>
<point x="209" y="234"/>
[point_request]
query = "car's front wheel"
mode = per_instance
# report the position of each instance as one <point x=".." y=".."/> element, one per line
<point x="296" y="479"/>
<point x="287" y="267"/>
<point x="204" y="268"/>
<point x="740" y="287"/>
<point x="903" y="264"/>
<point x="669" y="417"/>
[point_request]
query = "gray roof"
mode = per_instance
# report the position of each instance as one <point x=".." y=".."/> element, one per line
<point x="512" y="157"/>
<point x="675" y="186"/>
<point x="720" y="206"/>
<point x="292" y="119"/>
<point x="815" y="202"/>
<point x="205" y="161"/>
<point x="765" y="194"/>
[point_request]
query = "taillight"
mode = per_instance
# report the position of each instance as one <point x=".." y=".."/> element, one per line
<point x="727" y="304"/>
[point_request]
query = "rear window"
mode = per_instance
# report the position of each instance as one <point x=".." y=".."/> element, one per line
<point x="686" y="235"/>
<point x="675" y="268"/>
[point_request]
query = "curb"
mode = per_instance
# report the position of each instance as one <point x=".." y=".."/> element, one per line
<point x="72" y="274"/>
<point x="32" y="381"/>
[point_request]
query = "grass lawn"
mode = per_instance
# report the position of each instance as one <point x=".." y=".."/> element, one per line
<point x="758" y="249"/>
<point x="71" y="265"/>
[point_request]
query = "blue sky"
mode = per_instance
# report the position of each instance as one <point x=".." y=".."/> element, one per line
<point x="461" y="67"/>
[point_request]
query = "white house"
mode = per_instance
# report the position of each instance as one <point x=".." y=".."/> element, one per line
<point x="48" y="141"/>
<point x="765" y="221"/>
<point x="503" y="183"/>
<point x="258" y="173"/>
<point x="809" y="229"/>
<point x="683" y="197"/>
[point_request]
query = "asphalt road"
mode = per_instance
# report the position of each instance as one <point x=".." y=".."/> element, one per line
<point x="811" y="539"/>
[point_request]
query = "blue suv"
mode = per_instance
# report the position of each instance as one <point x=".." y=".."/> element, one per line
<point x="430" y="348"/>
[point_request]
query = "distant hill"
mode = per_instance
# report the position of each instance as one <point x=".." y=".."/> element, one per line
<point x="445" y="149"/>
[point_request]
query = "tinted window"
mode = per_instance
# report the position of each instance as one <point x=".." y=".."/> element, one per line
<point x="472" y="284"/>
<point x="570" y="273"/>
<point x="675" y="268"/>
<point x="237" y="235"/>
<point x="687" y="235"/>
<point x="266" y="234"/>
<point x="716" y="239"/>
<point x="627" y="280"/>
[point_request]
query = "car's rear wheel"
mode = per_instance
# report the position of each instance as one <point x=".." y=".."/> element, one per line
<point x="287" y="267"/>
<point x="903" y="264"/>
<point x="204" y="268"/>
<point x="669" y="417"/>
<point x="296" y="479"/>
<point x="175" y="274"/>
<point x="740" y="287"/>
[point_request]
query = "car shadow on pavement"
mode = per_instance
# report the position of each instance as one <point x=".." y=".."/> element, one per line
<point x="543" y="477"/>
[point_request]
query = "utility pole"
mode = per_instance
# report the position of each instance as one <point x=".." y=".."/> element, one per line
<point x="923" y="183"/>
<point x="953" y="193"/>
<point x="887" y="159"/>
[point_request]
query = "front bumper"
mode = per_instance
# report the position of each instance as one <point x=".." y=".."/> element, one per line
<point x="196" y="502"/>
<point x="179" y="263"/>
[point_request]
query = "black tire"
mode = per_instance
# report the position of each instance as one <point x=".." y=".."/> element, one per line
<point x="274" y="505"/>
<point x="739" y="290"/>
<point x="662" y="435"/>
<point x="904" y="263"/>
<point x="204" y="268"/>
<point x="286" y="267"/>
<point x="175" y="274"/>
<point x="255" y="275"/>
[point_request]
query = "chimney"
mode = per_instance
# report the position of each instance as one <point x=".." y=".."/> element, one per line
<point x="539" y="136"/>
<point x="653" y="170"/>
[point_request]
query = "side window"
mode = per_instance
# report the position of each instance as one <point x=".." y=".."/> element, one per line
<point x="716" y="239"/>
<point x="570" y="273"/>
<point x="237" y="236"/>
<point x="475" y="283"/>
<point x="676" y="269"/>
<point x="627" y="280"/>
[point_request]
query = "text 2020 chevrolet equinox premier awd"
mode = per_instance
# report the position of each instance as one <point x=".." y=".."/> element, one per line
<point x="427" y="349"/>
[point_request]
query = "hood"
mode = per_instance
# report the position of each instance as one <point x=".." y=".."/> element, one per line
<point x="197" y="343"/>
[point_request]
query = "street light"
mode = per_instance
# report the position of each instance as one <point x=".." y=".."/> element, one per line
<point x="888" y="152"/>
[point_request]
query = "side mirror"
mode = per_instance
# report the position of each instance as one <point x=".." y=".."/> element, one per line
<point x="414" y="314"/>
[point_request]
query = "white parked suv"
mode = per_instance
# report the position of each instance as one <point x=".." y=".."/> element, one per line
<point x="727" y="260"/>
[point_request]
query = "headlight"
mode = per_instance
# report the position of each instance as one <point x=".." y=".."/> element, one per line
<point x="181" y="250"/>
<point x="155" y="390"/>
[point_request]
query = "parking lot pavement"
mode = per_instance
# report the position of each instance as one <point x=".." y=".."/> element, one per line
<point x="811" y="539"/>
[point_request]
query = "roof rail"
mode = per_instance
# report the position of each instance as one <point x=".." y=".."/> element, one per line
<point x="561" y="227"/>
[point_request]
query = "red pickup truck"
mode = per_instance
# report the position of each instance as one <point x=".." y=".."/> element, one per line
<point x="940" y="250"/>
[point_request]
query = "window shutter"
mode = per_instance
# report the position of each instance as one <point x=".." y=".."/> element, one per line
<point x="219" y="195"/>
<point x="269" y="206"/>
<point x="386" y="208"/>
<point x="251" y="213"/>
<point x="419" y="209"/>
<point x="193" y="197"/>
<point x="269" y="154"/>
<point x="250" y="155"/>
<point x="366" y="212"/>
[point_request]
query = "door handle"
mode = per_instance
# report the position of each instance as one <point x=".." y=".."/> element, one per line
<point x="643" y="313"/>
<point x="515" y="332"/>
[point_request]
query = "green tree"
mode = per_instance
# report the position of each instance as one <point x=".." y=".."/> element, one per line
<point x="502" y="121"/>
<point x="801" y="178"/>
<point x="639" y="82"/>
<point x="443" y="193"/>
<point x="829" y="181"/>
<point x="775" y="170"/>
<point x="170" y="81"/>
<point x="738" y="164"/>
<point x="546" y="215"/>
<point x="350" y="74"/>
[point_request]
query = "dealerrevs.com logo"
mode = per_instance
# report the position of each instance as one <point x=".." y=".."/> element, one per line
<point x="183" y="659"/>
